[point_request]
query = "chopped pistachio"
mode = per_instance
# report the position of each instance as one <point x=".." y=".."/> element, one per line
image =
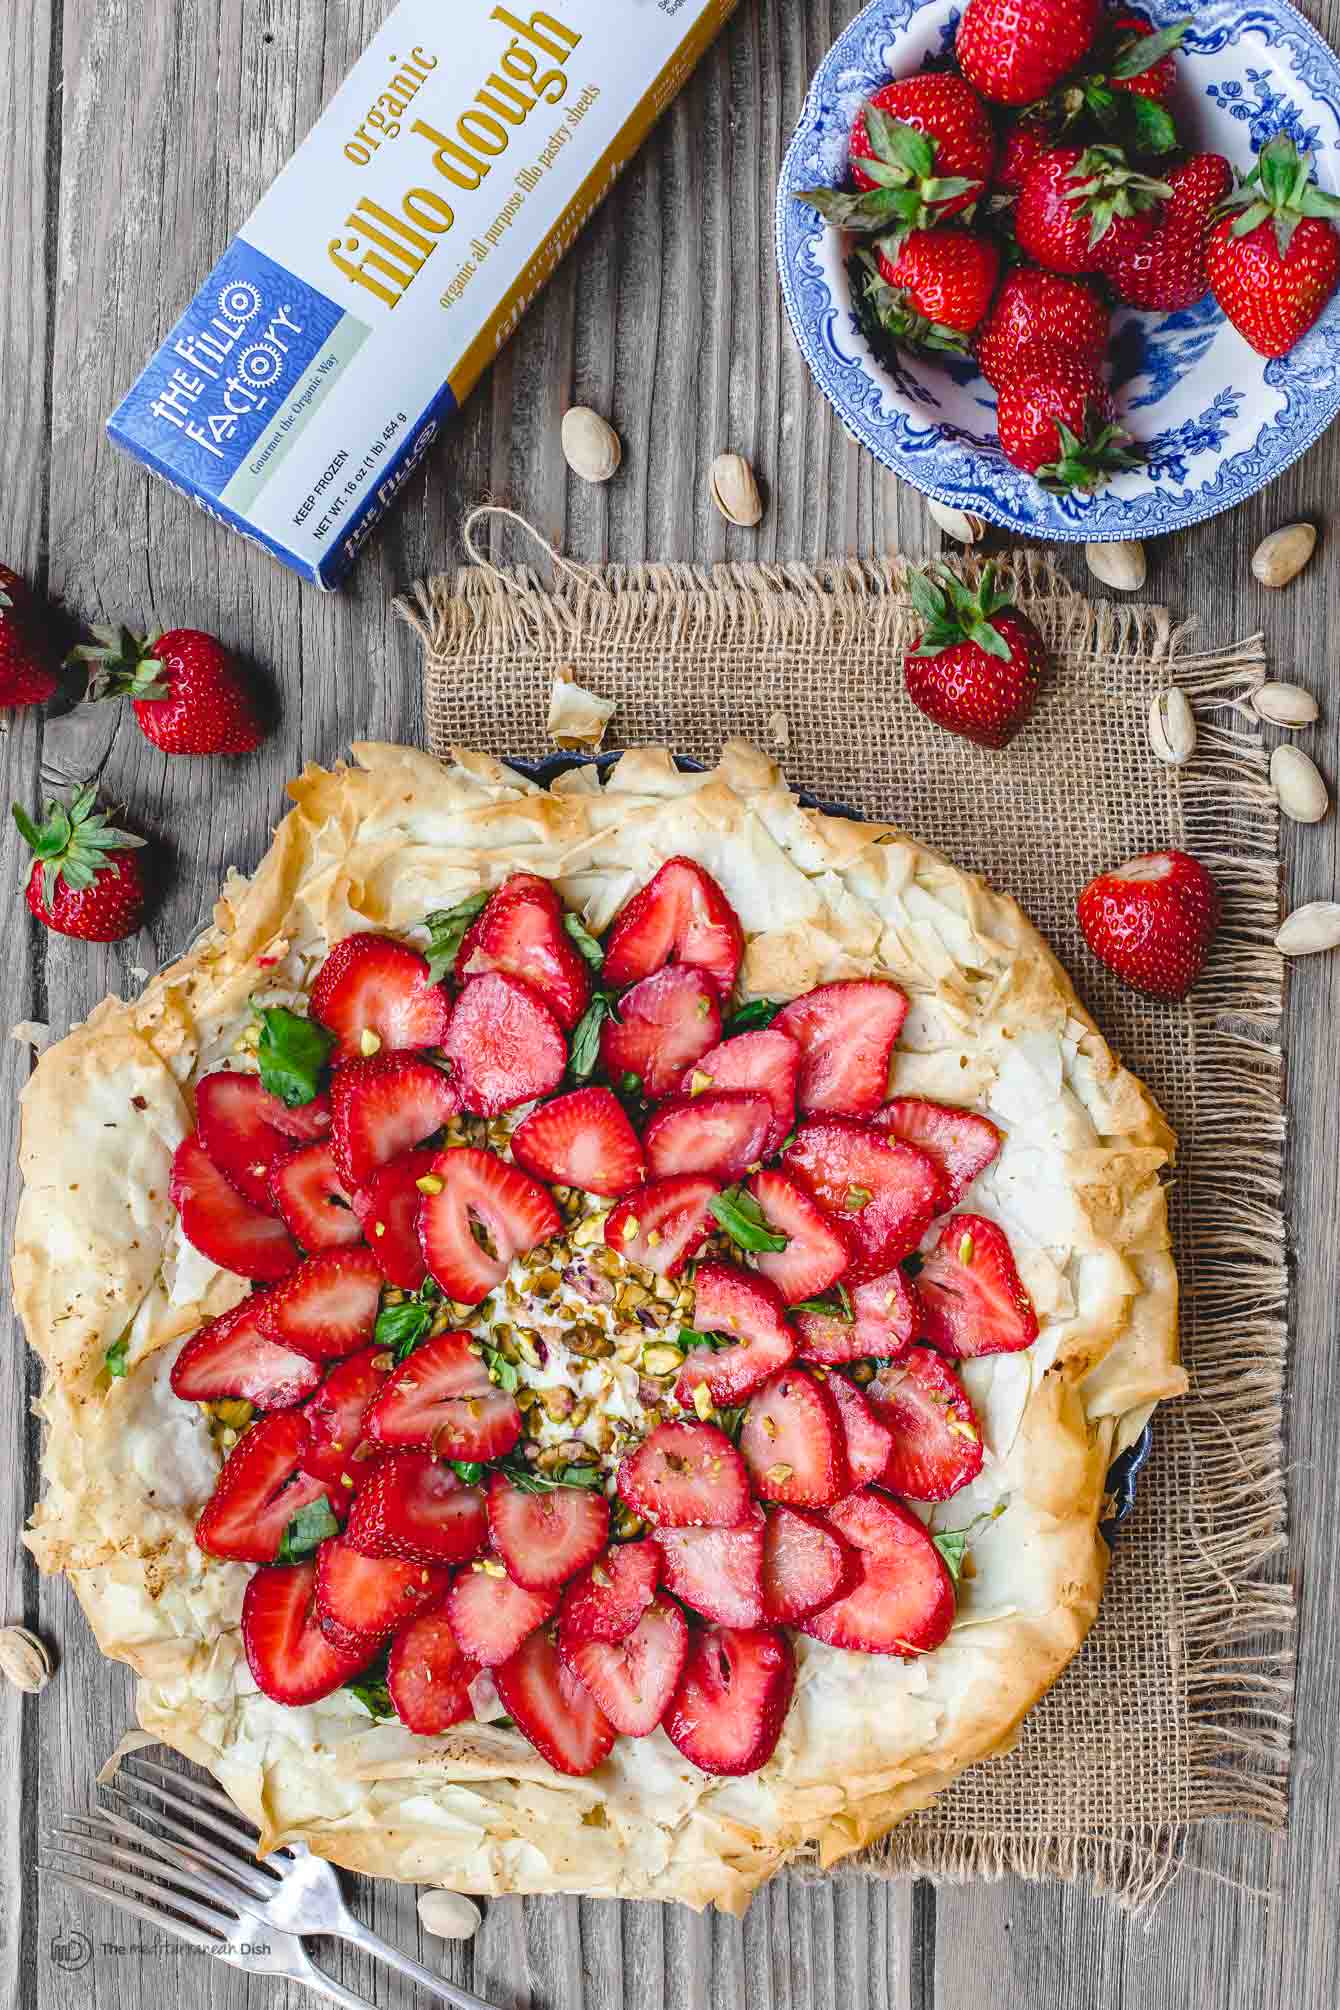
<point x="590" y="1231"/>
<point x="661" y="1358"/>
<point x="778" y="1475"/>
<point x="557" y="1402"/>
<point x="702" y="1400"/>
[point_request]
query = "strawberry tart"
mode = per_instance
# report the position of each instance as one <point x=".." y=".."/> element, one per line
<point x="585" y="1328"/>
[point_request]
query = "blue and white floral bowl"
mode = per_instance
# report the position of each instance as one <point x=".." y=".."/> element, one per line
<point x="1216" y="420"/>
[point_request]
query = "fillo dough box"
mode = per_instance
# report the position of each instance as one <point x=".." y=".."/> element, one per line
<point x="395" y="255"/>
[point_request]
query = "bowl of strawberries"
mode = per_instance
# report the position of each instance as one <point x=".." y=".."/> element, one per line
<point x="1071" y="267"/>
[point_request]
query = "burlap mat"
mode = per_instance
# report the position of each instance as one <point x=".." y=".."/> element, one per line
<point x="1178" y="1711"/>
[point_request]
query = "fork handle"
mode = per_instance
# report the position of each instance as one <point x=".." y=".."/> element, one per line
<point x="382" y="1950"/>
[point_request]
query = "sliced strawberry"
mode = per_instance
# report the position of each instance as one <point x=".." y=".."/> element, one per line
<point x="289" y="1656"/>
<point x="553" y="1708"/>
<point x="477" y="1191"/>
<point x="680" y="917"/>
<point x="505" y="1046"/>
<point x="232" y="1114"/>
<point x="305" y="1123"/>
<point x="328" y="1308"/>
<point x="415" y="1507"/>
<point x="961" y="1142"/>
<point x="936" y="1439"/>
<point x="429" y="1677"/>
<point x="582" y="1140"/>
<point x="766" y="1061"/>
<point x="745" y="1309"/>
<point x="441" y="1400"/>
<point x="817" y="1252"/>
<point x="882" y="1325"/>
<point x="903" y="1599"/>
<point x="387" y="1207"/>
<point x="609" y="1598"/>
<point x="521" y="933"/>
<point x="373" y="988"/>
<point x="545" y="1539"/>
<point x="261" y="1488"/>
<point x="366" y="1598"/>
<point x="384" y="1107"/>
<point x="882" y="1193"/>
<point x="806" y="1565"/>
<point x="866" y="1436"/>
<point x="232" y="1357"/>
<point x="665" y="1024"/>
<point x="792" y="1442"/>
<point x="686" y="1476"/>
<point x="633" y="1679"/>
<point x="312" y="1202"/>
<point x="490" y="1615"/>
<point x="718" y="1571"/>
<point x="969" y="1292"/>
<point x="337" y="1451"/>
<point x="662" y="1225"/>
<point x="723" y="1133"/>
<point x="727" y="1713"/>
<point x="845" y="1033"/>
<point x="221" y="1225"/>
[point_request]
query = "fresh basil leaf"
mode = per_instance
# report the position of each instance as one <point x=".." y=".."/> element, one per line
<point x="584" y="940"/>
<point x="471" y="1471"/>
<point x="838" y="1306"/>
<point x="730" y="1421"/>
<point x="369" y="1687"/>
<point x="744" y="1222"/>
<point x="788" y="1141"/>
<point x="527" y="1481"/>
<point x="115" y="1358"/>
<point x="585" y="1049"/>
<point x="504" y="1373"/>
<point x="952" y="1544"/>
<point x="691" y="1336"/>
<point x="446" y="932"/>
<point x="292" y="1052"/>
<point x="757" y="1013"/>
<point x="306" y="1531"/>
<point x="402" y="1327"/>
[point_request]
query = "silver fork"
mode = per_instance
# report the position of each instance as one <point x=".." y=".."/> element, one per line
<point x="171" y="1900"/>
<point x="290" y="1891"/>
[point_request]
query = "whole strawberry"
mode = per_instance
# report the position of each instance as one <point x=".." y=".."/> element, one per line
<point x="1152" y="921"/>
<point x="1165" y="267"/>
<point x="978" y="663"/>
<point x="1034" y="306"/>
<point x="1142" y="61"/>
<point x="1025" y="144"/>
<point x="1123" y="91"/>
<point x="1274" y="256"/>
<point x="85" y="880"/>
<point x="921" y="150"/>
<point x="1057" y="422"/>
<point x="27" y="676"/>
<point x="186" y="688"/>
<point x="1074" y="198"/>
<point x="1015" y="53"/>
<point x="938" y="285"/>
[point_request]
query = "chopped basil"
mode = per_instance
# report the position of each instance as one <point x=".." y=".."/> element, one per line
<point x="401" y="1327"/>
<point x="836" y="1307"/>
<point x="744" y="1221"/>
<point x="306" y="1531"/>
<point x="630" y="1084"/>
<point x="788" y="1141"/>
<point x="585" y="1049"/>
<point x="471" y="1471"/>
<point x="584" y="940"/>
<point x="953" y="1543"/>
<point x="446" y="932"/>
<point x="731" y="1420"/>
<point x="292" y="1052"/>
<point x="115" y="1357"/>
<point x="528" y="1482"/>
<point x="759" y="1012"/>
<point x="690" y="1336"/>
<point x="501" y="1371"/>
<point x="369" y="1687"/>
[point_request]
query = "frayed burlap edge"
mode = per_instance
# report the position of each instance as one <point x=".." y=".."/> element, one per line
<point x="1238" y="1624"/>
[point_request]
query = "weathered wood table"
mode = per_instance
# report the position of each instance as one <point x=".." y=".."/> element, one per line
<point x="135" y="141"/>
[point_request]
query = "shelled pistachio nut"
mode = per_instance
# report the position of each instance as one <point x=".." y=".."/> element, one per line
<point x="1122" y="566"/>
<point x="1282" y="556"/>
<point x="956" y="523"/>
<point x="591" y="447"/>
<point x="1298" y="784"/>
<point x="24" y="1659"/>
<point x="1310" y="929"/>
<point x="1286" y="705"/>
<point x="1172" y="727"/>
<point x="735" y="491"/>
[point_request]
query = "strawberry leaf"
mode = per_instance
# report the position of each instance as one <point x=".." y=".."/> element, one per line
<point x="1139" y="55"/>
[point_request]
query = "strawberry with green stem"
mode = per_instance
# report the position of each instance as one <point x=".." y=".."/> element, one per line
<point x="1076" y="199"/>
<point x="1014" y="54"/>
<point x="1125" y="95"/>
<point x="977" y="666"/>
<point x="1274" y="255"/>
<point x="86" y="880"/>
<point x="922" y="150"/>
<point x="931" y="288"/>
<point x="187" y="691"/>
<point x="1057" y="422"/>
